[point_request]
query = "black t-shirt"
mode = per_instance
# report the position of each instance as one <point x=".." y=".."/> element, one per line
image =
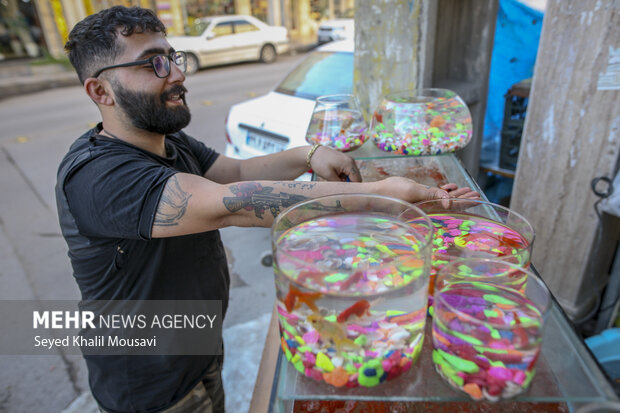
<point x="107" y="195"/>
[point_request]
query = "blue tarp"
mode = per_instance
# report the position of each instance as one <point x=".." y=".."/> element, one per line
<point x="517" y="34"/>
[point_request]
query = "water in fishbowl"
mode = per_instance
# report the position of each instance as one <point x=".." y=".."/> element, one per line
<point x="351" y="297"/>
<point x="468" y="235"/>
<point x="433" y="122"/>
<point x="486" y="338"/>
<point x="341" y="129"/>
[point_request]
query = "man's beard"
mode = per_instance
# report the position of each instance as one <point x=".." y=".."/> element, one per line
<point x="150" y="113"/>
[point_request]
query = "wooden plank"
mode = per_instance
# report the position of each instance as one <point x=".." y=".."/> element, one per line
<point x="570" y="137"/>
<point x="266" y="370"/>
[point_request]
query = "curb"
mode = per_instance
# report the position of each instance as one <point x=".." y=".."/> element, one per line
<point x="18" y="85"/>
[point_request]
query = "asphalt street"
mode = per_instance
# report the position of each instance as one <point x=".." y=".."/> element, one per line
<point x="36" y="132"/>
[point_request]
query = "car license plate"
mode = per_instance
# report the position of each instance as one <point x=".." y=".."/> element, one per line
<point x="264" y="143"/>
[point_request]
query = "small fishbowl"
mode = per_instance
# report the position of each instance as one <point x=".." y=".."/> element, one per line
<point x="487" y="337"/>
<point x="466" y="228"/>
<point x="426" y="122"/>
<point x="488" y="270"/>
<point x="351" y="282"/>
<point x="337" y="122"/>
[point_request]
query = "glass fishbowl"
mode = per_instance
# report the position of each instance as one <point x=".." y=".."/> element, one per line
<point x="466" y="228"/>
<point x="424" y="122"/>
<point x="337" y="122"/>
<point x="495" y="271"/>
<point x="487" y="337"/>
<point x="351" y="282"/>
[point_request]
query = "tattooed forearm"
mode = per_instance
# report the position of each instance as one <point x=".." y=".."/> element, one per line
<point x="252" y="196"/>
<point x="172" y="205"/>
<point x="297" y="185"/>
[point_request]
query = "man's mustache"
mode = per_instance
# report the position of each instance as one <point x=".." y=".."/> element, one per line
<point x="174" y="90"/>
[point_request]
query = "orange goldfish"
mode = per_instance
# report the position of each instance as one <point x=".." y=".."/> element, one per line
<point x="295" y="297"/>
<point x="359" y="308"/>
<point x="331" y="331"/>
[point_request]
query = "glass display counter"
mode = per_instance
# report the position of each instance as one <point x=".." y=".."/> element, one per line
<point x="568" y="379"/>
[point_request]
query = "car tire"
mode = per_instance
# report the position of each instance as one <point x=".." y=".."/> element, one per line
<point x="268" y="54"/>
<point x="192" y="64"/>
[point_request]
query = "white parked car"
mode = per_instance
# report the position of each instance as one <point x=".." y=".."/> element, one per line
<point x="231" y="39"/>
<point x="339" y="29"/>
<point x="279" y="120"/>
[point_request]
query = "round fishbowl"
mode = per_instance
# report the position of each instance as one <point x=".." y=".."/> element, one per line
<point x="337" y="122"/>
<point x="351" y="282"/>
<point x="427" y="122"/>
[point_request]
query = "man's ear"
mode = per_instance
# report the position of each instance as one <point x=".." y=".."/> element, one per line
<point x="98" y="91"/>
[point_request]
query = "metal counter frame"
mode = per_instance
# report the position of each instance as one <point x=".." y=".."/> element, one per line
<point x="568" y="378"/>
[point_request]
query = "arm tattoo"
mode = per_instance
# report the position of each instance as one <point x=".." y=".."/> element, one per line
<point x="297" y="185"/>
<point x="172" y="205"/>
<point x="253" y="196"/>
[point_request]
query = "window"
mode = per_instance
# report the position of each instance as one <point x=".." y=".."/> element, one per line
<point x="322" y="73"/>
<point x="242" y="26"/>
<point x="223" y="29"/>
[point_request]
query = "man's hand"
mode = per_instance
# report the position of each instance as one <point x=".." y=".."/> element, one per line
<point x="332" y="165"/>
<point x="455" y="192"/>
<point x="411" y="191"/>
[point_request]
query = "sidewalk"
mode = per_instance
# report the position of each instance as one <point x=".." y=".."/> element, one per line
<point x="25" y="76"/>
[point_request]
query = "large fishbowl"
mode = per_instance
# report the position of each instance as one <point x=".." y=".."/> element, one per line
<point x="423" y="122"/>
<point x="351" y="280"/>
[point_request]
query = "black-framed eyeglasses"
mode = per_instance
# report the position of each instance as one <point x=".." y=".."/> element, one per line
<point x="160" y="64"/>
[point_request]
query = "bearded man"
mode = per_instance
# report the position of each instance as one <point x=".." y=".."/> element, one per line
<point x="140" y="202"/>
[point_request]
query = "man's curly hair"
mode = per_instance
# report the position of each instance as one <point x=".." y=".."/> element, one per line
<point x="92" y="42"/>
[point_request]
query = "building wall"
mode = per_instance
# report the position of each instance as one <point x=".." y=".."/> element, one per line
<point x="53" y="19"/>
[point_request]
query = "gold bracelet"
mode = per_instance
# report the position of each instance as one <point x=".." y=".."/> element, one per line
<point x="310" y="153"/>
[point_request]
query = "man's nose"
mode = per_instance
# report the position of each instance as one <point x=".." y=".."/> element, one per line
<point x="176" y="74"/>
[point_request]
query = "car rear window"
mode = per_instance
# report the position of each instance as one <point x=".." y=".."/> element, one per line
<point x="322" y="73"/>
<point x="223" y="29"/>
<point x="242" y="26"/>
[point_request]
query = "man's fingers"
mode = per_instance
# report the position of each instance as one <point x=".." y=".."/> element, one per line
<point x="353" y="173"/>
<point x="459" y="192"/>
<point x="331" y="175"/>
<point x="449" y="187"/>
<point x="435" y="193"/>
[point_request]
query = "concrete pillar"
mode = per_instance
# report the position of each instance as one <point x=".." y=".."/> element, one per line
<point x="390" y="48"/>
<point x="274" y="13"/>
<point x="570" y="137"/>
<point x="53" y="39"/>
<point x="74" y="12"/>
<point x="301" y="15"/>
